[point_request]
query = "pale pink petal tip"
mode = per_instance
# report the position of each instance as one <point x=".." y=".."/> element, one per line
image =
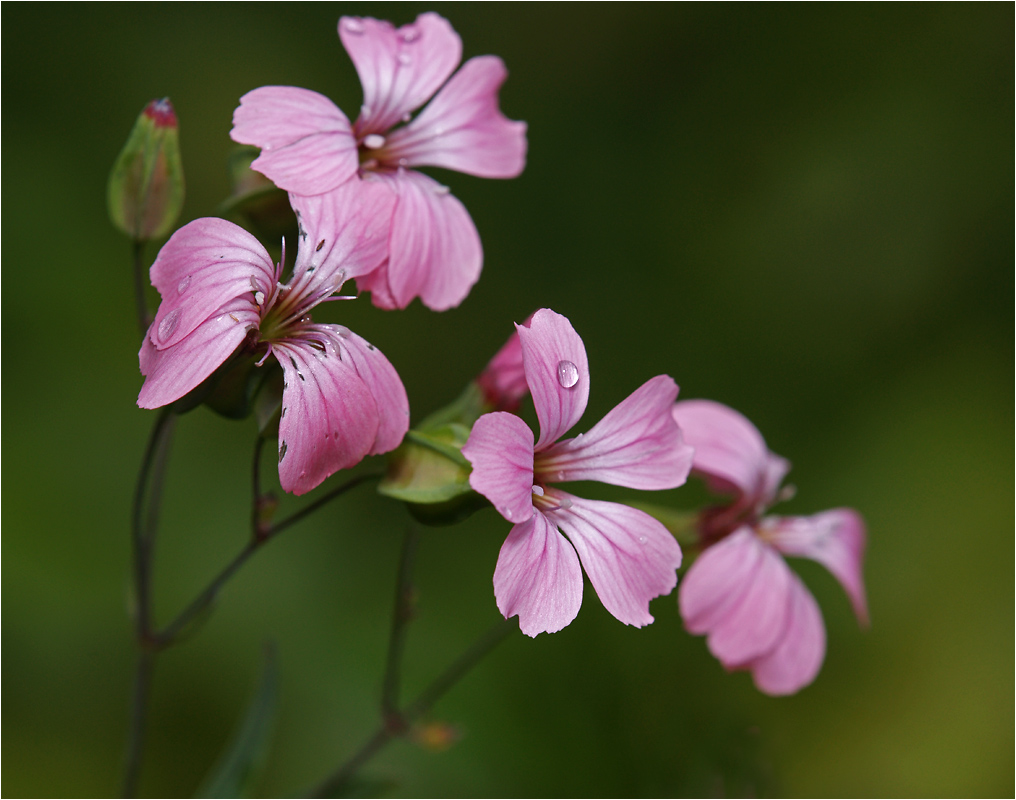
<point x="557" y="372"/>
<point x="306" y="142"/>
<point x="538" y="577"/>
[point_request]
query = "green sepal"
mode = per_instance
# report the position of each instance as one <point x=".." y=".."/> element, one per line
<point x="262" y="205"/>
<point x="239" y="766"/>
<point x="428" y="467"/>
<point x="146" y="188"/>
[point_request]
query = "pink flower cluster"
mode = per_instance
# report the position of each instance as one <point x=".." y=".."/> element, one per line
<point x="364" y="214"/>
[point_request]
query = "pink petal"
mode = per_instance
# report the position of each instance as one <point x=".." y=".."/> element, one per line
<point x="503" y="380"/>
<point x="463" y="128"/>
<point x="500" y="448"/>
<point x="753" y="624"/>
<point x="329" y="417"/>
<point x="717" y="579"/>
<point x="384" y="384"/>
<point x="796" y="659"/>
<point x="435" y="252"/>
<point x="538" y="577"/>
<point x="630" y="557"/>
<point x="343" y="234"/>
<point x="557" y="372"/>
<point x="637" y="444"/>
<point x="306" y="142"/>
<point x="376" y="283"/>
<point x="172" y="372"/>
<point x="205" y="265"/>
<point x="729" y="451"/>
<point x="836" y="539"/>
<point x="399" y="69"/>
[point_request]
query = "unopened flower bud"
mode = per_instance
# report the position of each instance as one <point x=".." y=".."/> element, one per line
<point x="503" y="380"/>
<point x="145" y="190"/>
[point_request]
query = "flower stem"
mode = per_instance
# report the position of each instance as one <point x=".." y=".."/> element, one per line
<point x="169" y="635"/>
<point x="401" y="616"/>
<point x="144" y="315"/>
<point x="334" y="783"/>
<point x="143" y="529"/>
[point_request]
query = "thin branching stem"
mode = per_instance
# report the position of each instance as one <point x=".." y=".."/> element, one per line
<point x="144" y="315"/>
<point x="401" y="615"/>
<point x="339" y="779"/>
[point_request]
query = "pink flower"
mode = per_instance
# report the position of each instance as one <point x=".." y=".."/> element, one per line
<point x="342" y="399"/>
<point x="756" y="612"/>
<point x="629" y="557"/>
<point x="308" y="147"/>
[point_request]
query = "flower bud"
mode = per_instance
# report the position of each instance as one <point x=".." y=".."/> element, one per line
<point x="145" y="192"/>
<point x="503" y="380"/>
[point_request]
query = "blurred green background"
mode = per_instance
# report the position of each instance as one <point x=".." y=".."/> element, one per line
<point x="804" y="212"/>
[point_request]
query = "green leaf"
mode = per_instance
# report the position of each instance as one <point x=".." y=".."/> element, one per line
<point x="243" y="759"/>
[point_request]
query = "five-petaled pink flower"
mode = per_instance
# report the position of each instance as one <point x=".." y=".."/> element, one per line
<point x="342" y="399"/>
<point x="309" y="147"/>
<point x="629" y="557"/>
<point x="756" y="612"/>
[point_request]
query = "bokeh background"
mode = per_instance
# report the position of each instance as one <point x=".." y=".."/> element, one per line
<point x="804" y="212"/>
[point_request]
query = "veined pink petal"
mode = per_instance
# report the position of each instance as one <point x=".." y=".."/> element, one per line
<point x="538" y="577"/>
<point x="796" y="659"/>
<point x="329" y="417"/>
<point x="503" y="380"/>
<point x="306" y="142"/>
<point x="557" y="372"/>
<point x="384" y="384"/>
<point x="630" y="557"/>
<point x="173" y="371"/>
<point x="463" y="128"/>
<point x="717" y="579"/>
<point x="205" y="265"/>
<point x="754" y="623"/>
<point x="729" y="451"/>
<point x="343" y="234"/>
<point x="637" y="444"/>
<point x="500" y="448"/>
<point x="435" y="252"/>
<point x="399" y="69"/>
<point x="836" y="539"/>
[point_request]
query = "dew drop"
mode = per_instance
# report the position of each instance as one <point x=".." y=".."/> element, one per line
<point x="365" y="111"/>
<point x="642" y="540"/>
<point x="406" y="117"/>
<point x="567" y="374"/>
<point x="353" y="26"/>
<point x="169" y="323"/>
<point x="404" y="59"/>
<point x="409" y="34"/>
<point x="181" y="287"/>
<point x="441" y="189"/>
<point x="372" y="141"/>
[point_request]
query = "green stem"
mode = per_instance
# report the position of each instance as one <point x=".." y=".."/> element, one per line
<point x="401" y="616"/>
<point x="168" y="635"/>
<point x="144" y="315"/>
<point x="143" y="529"/>
<point x="335" y="782"/>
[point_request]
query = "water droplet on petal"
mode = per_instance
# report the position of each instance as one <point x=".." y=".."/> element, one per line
<point x="406" y="117"/>
<point x="181" y="287"/>
<point x="440" y="189"/>
<point x="169" y="323"/>
<point x="372" y="141"/>
<point x="404" y="59"/>
<point x="567" y="374"/>
<point x="353" y="25"/>
<point x="408" y="34"/>
<point x="365" y="111"/>
<point x="642" y="540"/>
